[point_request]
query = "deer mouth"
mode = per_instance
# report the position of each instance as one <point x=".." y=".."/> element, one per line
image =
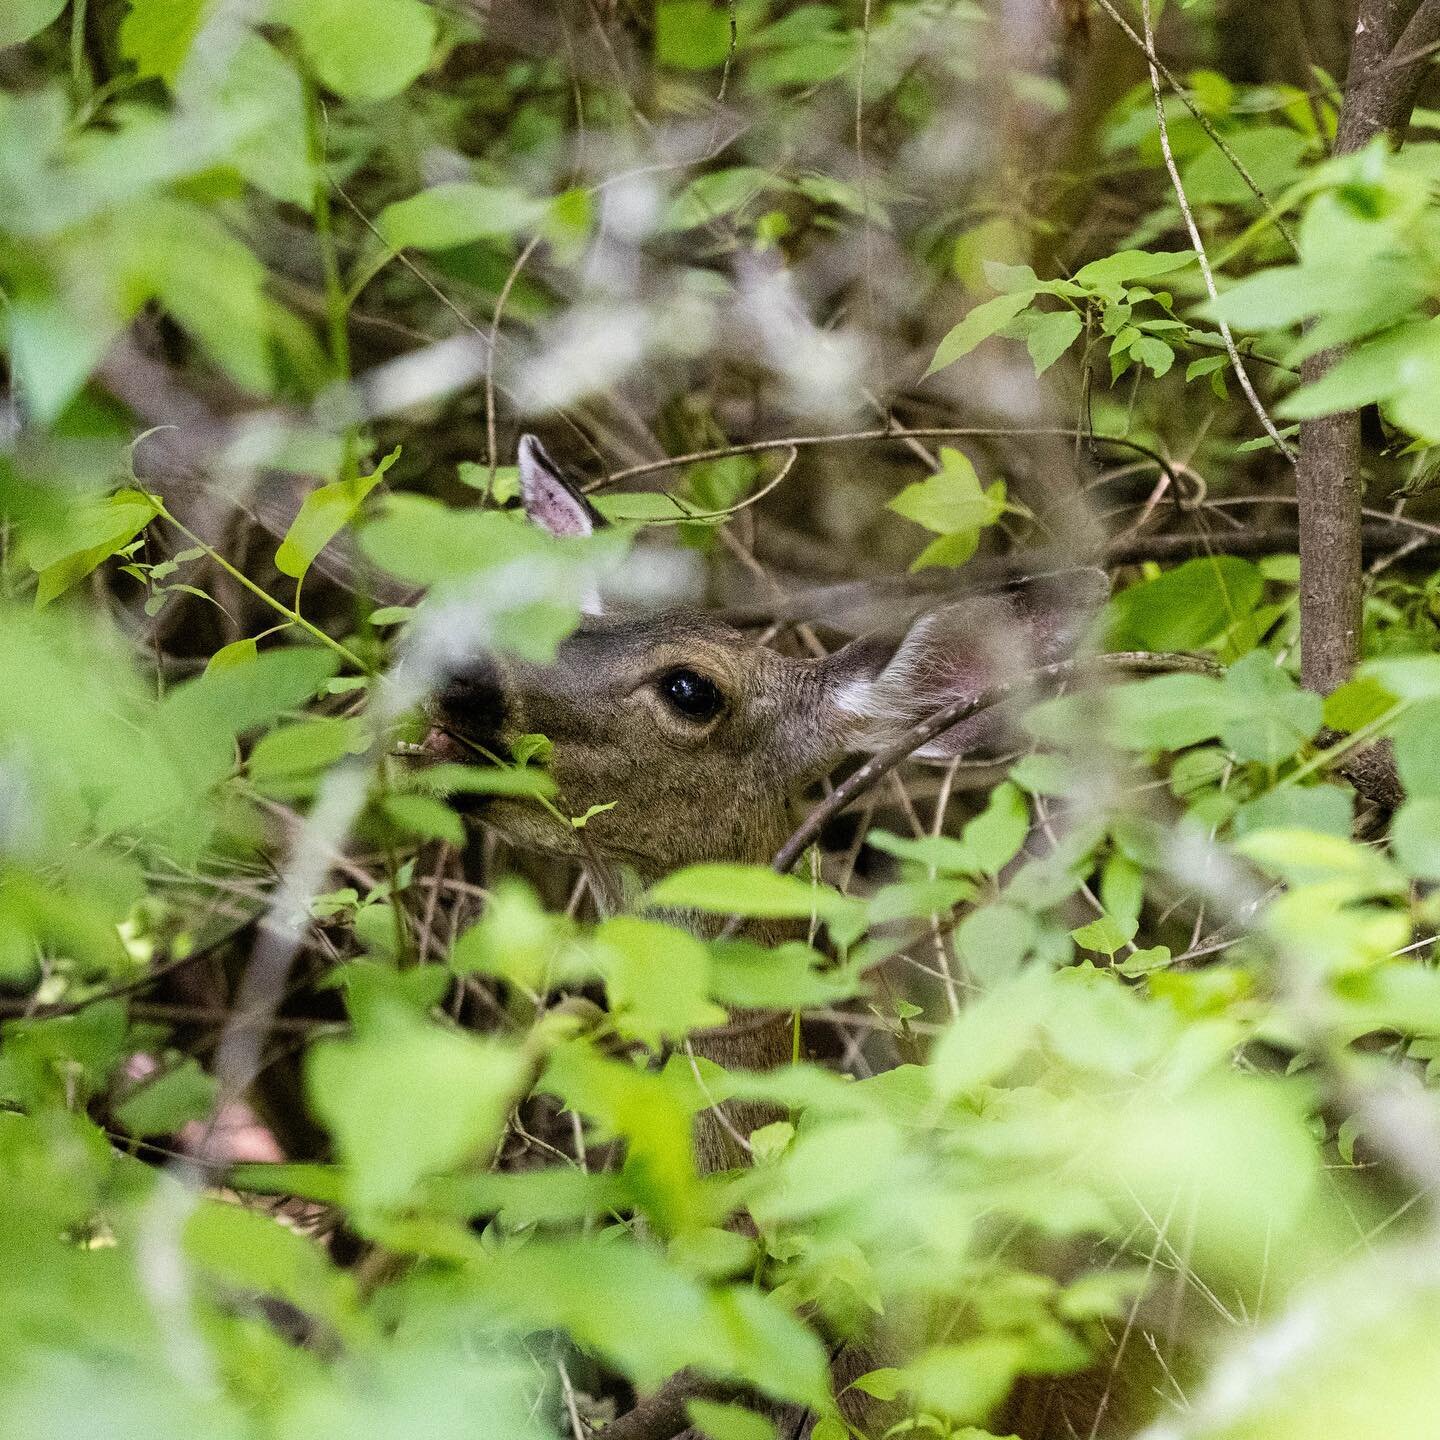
<point x="441" y="744"/>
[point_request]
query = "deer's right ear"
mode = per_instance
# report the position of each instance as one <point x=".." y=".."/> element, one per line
<point x="550" y="499"/>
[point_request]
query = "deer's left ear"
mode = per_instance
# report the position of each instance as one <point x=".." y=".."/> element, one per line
<point x="876" y="687"/>
<point x="551" y="500"/>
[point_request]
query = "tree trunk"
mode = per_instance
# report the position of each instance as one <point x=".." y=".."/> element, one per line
<point x="1388" y="62"/>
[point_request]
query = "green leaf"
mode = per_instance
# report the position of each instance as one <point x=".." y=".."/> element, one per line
<point x="952" y="500"/>
<point x="1273" y="154"/>
<point x="392" y="615"/>
<point x="884" y="1384"/>
<point x="1416" y="736"/>
<point x="966" y="1382"/>
<point x="939" y="852"/>
<point x="93" y="532"/>
<point x="300" y="749"/>
<point x="323" y="513"/>
<point x="237" y="652"/>
<point x="275" y="152"/>
<point x="362" y="49"/>
<point x="237" y="698"/>
<point x="1122" y="890"/>
<point x="649" y="1111"/>
<point x="691" y="34"/>
<point x="1185" y="608"/>
<point x="991" y="1034"/>
<point x="980" y="324"/>
<point x="1326" y="809"/>
<point x="579" y="822"/>
<point x="649" y="506"/>
<point x="1105" y="935"/>
<point x="1128" y="265"/>
<point x="1270" y="716"/>
<point x="515" y="940"/>
<point x="455" y="214"/>
<point x="157" y="35"/>
<point x="1406" y="677"/>
<point x="656" y="978"/>
<point x="427" y="817"/>
<point x="718" y="194"/>
<point x="947" y="552"/>
<point x="165" y="1104"/>
<point x="1357" y="703"/>
<point x="1154" y="354"/>
<point x="729" y="1422"/>
<point x="791" y="976"/>
<point x="211" y="283"/>
<point x="20" y="19"/>
<point x="478" y="780"/>
<point x="1168" y="712"/>
<point x="1051" y="335"/>
<point x="995" y="939"/>
<point x="247" y="1249"/>
<point x="994" y="837"/>
<point x="752" y="890"/>
<point x="1415" y="835"/>
<point x="404" y="1100"/>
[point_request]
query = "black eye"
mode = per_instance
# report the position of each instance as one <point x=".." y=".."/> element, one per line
<point x="691" y="694"/>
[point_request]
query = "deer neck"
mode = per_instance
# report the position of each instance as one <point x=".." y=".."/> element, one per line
<point x="749" y="1040"/>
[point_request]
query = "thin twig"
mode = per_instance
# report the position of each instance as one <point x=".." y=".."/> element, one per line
<point x="890" y="432"/>
<point x="1241" y="374"/>
<point x="491" y="453"/>
<point x="1146" y="46"/>
<point x="948" y="716"/>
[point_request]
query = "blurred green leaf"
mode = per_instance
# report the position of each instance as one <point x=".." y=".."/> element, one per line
<point x="162" y="1105"/>
<point x="455" y="214"/>
<point x="324" y="512"/>
<point x="93" y="534"/>
<point x="362" y="49"/>
<point x="1270" y="716"/>
<point x="729" y="1422"/>
<point x="657" y="979"/>
<point x="1185" y="608"/>
<point x="20" y="19"/>
<point x="404" y="1100"/>
<point x="749" y="890"/>
<point x="157" y="35"/>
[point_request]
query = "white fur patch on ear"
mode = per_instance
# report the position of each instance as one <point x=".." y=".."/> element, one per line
<point x="885" y="688"/>
<point x="880" y="688"/>
<point x="550" y="500"/>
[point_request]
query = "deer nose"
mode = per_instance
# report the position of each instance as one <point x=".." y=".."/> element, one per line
<point x="474" y="699"/>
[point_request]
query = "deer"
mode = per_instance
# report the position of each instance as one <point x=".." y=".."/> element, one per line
<point x="706" y="737"/>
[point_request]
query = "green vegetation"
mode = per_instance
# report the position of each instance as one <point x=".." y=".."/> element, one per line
<point x="1112" y="1095"/>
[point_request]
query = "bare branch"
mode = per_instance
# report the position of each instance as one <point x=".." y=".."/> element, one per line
<point x="882" y="763"/>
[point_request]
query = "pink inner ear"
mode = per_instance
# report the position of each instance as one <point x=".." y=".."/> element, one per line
<point x="556" y="513"/>
<point x="550" y="500"/>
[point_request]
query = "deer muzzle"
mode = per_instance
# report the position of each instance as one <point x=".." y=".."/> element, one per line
<point x="467" y="713"/>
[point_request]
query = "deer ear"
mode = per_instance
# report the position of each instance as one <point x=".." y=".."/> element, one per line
<point x="550" y="499"/>
<point x="878" y="687"/>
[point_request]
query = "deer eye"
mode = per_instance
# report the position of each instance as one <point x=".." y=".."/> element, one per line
<point x="691" y="694"/>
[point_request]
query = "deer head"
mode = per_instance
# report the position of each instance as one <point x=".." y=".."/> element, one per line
<point x="700" y="735"/>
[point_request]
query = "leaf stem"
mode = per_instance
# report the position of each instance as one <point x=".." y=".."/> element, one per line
<point x="293" y="616"/>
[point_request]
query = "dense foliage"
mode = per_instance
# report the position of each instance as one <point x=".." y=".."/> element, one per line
<point x="1111" y="1100"/>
